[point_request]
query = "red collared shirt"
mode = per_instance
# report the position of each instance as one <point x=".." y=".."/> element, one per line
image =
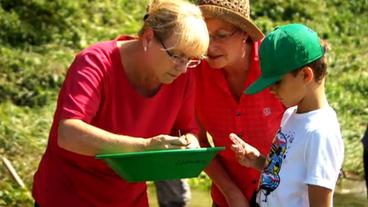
<point x="255" y="118"/>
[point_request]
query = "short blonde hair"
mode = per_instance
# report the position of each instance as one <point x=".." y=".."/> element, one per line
<point x="183" y="21"/>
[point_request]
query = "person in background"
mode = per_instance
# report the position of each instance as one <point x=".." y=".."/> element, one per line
<point x="173" y="193"/>
<point x="124" y="95"/>
<point x="221" y="107"/>
<point x="307" y="153"/>
<point x="365" y="157"/>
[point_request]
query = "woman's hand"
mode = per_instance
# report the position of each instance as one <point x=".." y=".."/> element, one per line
<point x="165" y="142"/>
<point x="187" y="141"/>
<point x="191" y="140"/>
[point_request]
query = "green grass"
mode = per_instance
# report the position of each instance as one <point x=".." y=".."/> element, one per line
<point x="351" y="200"/>
<point x="200" y="197"/>
<point x="23" y="133"/>
<point x="343" y="197"/>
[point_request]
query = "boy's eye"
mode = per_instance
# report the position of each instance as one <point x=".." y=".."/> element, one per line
<point x="277" y="82"/>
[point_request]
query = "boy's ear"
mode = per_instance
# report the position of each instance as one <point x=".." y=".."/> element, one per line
<point x="308" y="74"/>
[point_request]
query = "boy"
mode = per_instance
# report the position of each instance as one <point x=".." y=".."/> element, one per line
<point x="307" y="153"/>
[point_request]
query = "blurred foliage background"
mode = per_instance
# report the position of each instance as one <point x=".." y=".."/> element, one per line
<point x="39" y="38"/>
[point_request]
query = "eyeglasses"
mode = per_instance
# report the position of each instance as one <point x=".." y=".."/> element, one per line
<point x="178" y="59"/>
<point x="222" y="36"/>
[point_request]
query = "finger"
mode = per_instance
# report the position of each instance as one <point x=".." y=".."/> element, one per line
<point x="236" y="139"/>
<point x="239" y="153"/>
<point x="190" y="140"/>
<point x="194" y="144"/>
<point x="173" y="146"/>
<point x="166" y="141"/>
<point x="178" y="141"/>
<point x="239" y="157"/>
<point x="172" y="140"/>
<point x="185" y="139"/>
<point x="235" y="148"/>
<point x="245" y="146"/>
<point x="168" y="138"/>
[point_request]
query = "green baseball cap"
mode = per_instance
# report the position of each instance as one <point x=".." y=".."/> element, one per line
<point x="285" y="49"/>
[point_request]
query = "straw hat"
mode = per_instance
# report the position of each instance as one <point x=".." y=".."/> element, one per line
<point x="236" y="12"/>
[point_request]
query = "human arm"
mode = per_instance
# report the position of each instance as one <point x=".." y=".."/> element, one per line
<point x="85" y="96"/>
<point x="82" y="138"/>
<point x="232" y="193"/>
<point x="246" y="154"/>
<point x="323" y="157"/>
<point x="221" y="178"/>
<point x="319" y="196"/>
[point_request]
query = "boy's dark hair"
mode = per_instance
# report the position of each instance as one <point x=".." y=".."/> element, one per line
<point x="319" y="66"/>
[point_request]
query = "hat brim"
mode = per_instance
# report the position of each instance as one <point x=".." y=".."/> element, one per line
<point x="246" y="24"/>
<point x="261" y="84"/>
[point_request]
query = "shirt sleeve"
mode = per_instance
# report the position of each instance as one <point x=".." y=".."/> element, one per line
<point x="186" y="120"/>
<point x="83" y="87"/>
<point x="323" y="158"/>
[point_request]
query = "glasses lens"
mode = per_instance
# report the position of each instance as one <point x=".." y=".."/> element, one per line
<point x="222" y="36"/>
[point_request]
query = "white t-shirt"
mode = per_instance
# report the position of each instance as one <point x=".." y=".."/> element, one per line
<point x="308" y="149"/>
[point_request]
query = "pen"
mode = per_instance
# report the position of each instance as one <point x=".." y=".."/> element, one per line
<point x="185" y="137"/>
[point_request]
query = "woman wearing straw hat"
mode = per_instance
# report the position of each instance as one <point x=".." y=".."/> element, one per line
<point x="222" y="107"/>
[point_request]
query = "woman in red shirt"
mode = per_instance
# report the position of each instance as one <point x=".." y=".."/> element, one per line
<point x="123" y="95"/>
<point x="221" y="105"/>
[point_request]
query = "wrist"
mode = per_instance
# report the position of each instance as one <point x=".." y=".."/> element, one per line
<point x="143" y="144"/>
<point x="261" y="161"/>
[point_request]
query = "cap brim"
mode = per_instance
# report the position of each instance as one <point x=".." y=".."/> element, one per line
<point x="246" y="24"/>
<point x="261" y="84"/>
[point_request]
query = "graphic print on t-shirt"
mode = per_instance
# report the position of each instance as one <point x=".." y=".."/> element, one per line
<point x="270" y="178"/>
